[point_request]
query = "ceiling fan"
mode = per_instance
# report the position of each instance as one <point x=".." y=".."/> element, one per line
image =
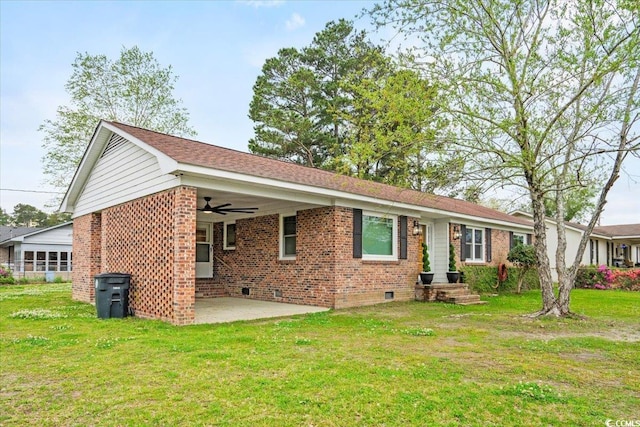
<point x="223" y="209"/>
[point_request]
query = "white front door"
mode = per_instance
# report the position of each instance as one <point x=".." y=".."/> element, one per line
<point x="204" y="258"/>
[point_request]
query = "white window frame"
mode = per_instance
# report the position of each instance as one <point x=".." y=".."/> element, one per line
<point x="524" y="238"/>
<point x="283" y="256"/>
<point x="394" y="238"/>
<point x="205" y="269"/>
<point x="473" y="244"/>
<point x="226" y="245"/>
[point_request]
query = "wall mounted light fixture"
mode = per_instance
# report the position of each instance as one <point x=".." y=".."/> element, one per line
<point x="417" y="230"/>
<point x="456" y="232"/>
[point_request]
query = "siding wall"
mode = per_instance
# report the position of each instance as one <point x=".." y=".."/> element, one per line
<point x="124" y="173"/>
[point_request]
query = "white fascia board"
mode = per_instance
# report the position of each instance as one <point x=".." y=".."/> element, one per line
<point x="89" y="158"/>
<point x="487" y="222"/>
<point x="200" y="176"/>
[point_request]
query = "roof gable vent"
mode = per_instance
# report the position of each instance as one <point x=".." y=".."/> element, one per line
<point x="115" y="142"/>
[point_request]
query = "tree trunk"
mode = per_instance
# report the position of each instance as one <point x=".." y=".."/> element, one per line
<point x="540" y="244"/>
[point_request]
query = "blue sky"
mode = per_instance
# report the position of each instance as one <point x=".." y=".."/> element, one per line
<point x="217" y="49"/>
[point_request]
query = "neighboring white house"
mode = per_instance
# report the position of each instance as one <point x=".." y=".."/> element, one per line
<point x="612" y="245"/>
<point x="38" y="252"/>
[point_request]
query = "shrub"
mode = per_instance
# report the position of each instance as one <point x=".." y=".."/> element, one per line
<point x="483" y="279"/>
<point x="524" y="257"/>
<point x="593" y="277"/>
<point x="452" y="258"/>
<point x="426" y="265"/>
<point x="603" y="277"/>
<point x="628" y="280"/>
<point x="6" y="276"/>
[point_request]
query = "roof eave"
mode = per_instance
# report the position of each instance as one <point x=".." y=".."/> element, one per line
<point x="202" y="171"/>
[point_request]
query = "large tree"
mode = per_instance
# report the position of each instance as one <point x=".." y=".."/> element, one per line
<point x="28" y="216"/>
<point x="297" y="91"/>
<point x="542" y="92"/>
<point x="342" y="104"/>
<point x="392" y="127"/>
<point x="134" y="89"/>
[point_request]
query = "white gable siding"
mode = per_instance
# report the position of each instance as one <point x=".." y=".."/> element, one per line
<point x="56" y="236"/>
<point x="124" y="172"/>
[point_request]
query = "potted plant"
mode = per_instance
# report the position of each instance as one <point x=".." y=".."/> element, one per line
<point x="426" y="276"/>
<point x="452" y="275"/>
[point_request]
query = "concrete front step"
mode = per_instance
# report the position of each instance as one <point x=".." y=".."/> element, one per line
<point x="453" y="293"/>
<point x="461" y="299"/>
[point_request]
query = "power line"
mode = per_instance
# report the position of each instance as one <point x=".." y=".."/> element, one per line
<point x="31" y="191"/>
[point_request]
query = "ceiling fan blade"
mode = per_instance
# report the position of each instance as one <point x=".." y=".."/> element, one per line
<point x="221" y="206"/>
<point x="247" y="210"/>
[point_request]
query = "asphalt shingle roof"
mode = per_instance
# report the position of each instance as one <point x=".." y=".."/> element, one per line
<point x="198" y="153"/>
<point x="9" y="232"/>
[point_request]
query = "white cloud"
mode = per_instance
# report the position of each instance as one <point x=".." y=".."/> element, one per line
<point x="296" y="21"/>
<point x="262" y="3"/>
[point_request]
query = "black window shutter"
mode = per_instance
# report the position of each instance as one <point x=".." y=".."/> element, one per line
<point x="403" y="237"/>
<point x="529" y="239"/>
<point x="464" y="254"/>
<point x="510" y="240"/>
<point x="487" y="232"/>
<point x="357" y="233"/>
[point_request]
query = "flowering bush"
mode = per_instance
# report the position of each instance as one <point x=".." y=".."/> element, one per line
<point x="603" y="277"/>
<point x="6" y="276"/>
<point x="628" y="280"/>
<point x="593" y="278"/>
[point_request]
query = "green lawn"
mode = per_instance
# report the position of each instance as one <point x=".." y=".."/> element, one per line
<point x="397" y="364"/>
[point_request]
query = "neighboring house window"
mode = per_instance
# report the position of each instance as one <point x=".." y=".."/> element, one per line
<point x="230" y="235"/>
<point x="64" y="261"/>
<point x="28" y="261"/>
<point x="41" y="261"/>
<point x="53" y="261"/>
<point x="379" y="237"/>
<point x="288" y="236"/>
<point x="474" y="244"/>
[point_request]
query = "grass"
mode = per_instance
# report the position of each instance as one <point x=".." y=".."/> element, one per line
<point x="395" y="364"/>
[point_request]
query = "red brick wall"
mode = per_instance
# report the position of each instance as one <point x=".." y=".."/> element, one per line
<point x="86" y="256"/>
<point x="324" y="272"/>
<point x="360" y="282"/>
<point x="255" y="262"/>
<point x="500" y="241"/>
<point x="153" y="239"/>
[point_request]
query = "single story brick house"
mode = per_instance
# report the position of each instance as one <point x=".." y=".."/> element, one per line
<point x="188" y="219"/>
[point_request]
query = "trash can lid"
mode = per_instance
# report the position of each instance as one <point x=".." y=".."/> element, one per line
<point x="113" y="275"/>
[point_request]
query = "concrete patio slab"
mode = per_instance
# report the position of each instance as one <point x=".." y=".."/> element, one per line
<point x="222" y="310"/>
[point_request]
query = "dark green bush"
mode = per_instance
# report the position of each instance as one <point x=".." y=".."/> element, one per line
<point x="483" y="279"/>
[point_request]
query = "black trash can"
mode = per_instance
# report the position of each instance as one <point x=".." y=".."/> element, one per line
<point x="112" y="295"/>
